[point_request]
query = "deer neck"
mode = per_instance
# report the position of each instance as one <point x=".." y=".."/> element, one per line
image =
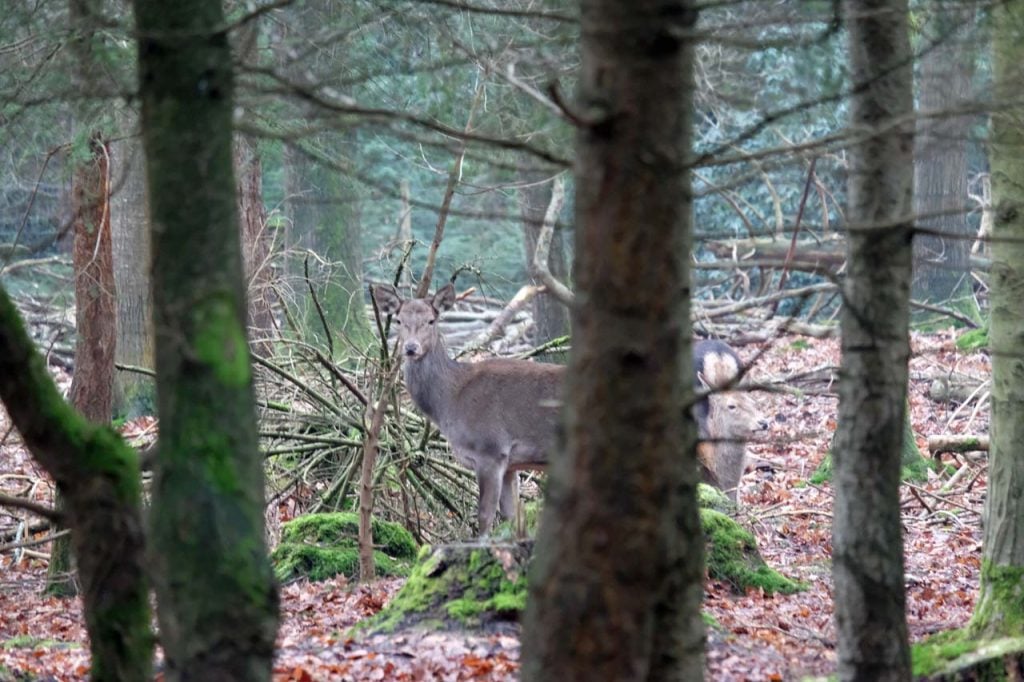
<point x="432" y="380"/>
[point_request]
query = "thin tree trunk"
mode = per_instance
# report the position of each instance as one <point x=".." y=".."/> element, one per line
<point x="215" y="588"/>
<point x="256" y="246"/>
<point x="134" y="394"/>
<point x="1000" y="609"/>
<point x="618" y="574"/>
<point x="941" y="260"/>
<point x="95" y="318"/>
<point x="867" y="554"/>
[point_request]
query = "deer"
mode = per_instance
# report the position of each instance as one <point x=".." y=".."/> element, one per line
<point x="726" y="417"/>
<point x="499" y="415"/>
<point x="502" y="415"/>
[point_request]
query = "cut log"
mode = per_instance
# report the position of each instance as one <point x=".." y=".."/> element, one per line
<point x="956" y="443"/>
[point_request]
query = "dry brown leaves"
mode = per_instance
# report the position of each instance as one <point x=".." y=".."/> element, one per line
<point x="759" y="637"/>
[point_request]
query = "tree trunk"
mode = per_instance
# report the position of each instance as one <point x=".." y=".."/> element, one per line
<point x="257" y="245"/>
<point x="324" y="219"/>
<point x="616" y="587"/>
<point x="867" y="555"/>
<point x="99" y="477"/>
<point x="134" y="393"/>
<point x="1000" y="610"/>
<point x="941" y="261"/>
<point x="550" y="318"/>
<point x="95" y="318"/>
<point x="214" y="584"/>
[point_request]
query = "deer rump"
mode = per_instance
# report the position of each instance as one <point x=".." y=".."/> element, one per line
<point x="501" y="415"/>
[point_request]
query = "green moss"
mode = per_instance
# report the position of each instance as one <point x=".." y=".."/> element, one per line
<point x="710" y="497"/>
<point x="1000" y="610"/>
<point x="220" y="341"/>
<point x="321" y="546"/>
<point x="973" y="339"/>
<point x="339" y="527"/>
<point x="935" y="653"/>
<point x="823" y="473"/>
<point x="732" y="556"/>
<point x="293" y="560"/>
<point x="958" y="654"/>
<point x="447" y="588"/>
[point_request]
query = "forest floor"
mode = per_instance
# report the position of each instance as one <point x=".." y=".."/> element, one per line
<point x="758" y="637"/>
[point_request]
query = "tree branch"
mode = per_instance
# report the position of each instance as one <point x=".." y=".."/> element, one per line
<point x="542" y="253"/>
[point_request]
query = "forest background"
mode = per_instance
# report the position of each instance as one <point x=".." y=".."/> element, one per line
<point x="366" y="132"/>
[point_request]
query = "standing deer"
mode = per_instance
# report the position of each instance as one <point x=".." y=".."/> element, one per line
<point x="499" y="415"/>
<point x="726" y="418"/>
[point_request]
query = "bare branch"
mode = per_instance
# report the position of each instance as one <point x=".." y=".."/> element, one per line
<point x="542" y="253"/>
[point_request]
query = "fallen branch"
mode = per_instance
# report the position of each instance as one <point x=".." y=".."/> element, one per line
<point x="508" y="313"/>
<point x="42" y="510"/>
<point x="957" y="443"/>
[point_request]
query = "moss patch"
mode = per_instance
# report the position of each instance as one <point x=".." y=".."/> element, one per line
<point x="732" y="556"/>
<point x="1000" y="610"/>
<point x="973" y="339"/>
<point x="710" y="497"/>
<point x="321" y="546"/>
<point x="464" y="586"/>
<point x="956" y="655"/>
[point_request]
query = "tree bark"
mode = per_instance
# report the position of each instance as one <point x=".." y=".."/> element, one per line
<point x="95" y="318"/>
<point x="99" y="477"/>
<point x="322" y="210"/>
<point x="941" y="261"/>
<point x="257" y="245"/>
<point x="1000" y="610"/>
<point x="214" y="584"/>
<point x="618" y="577"/>
<point x="550" y="317"/>
<point x="134" y="394"/>
<point x="867" y="555"/>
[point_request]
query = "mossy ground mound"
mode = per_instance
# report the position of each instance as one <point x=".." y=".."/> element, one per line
<point x="958" y="655"/>
<point x="731" y="555"/>
<point x="321" y="546"/>
<point x="463" y="586"/>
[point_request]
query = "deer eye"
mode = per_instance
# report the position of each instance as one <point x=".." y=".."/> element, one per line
<point x="432" y="321"/>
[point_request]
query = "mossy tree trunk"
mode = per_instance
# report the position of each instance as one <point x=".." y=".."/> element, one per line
<point x="98" y="475"/>
<point x="215" y="588"/>
<point x="617" y="581"/>
<point x="867" y="544"/>
<point x="1000" y="609"/>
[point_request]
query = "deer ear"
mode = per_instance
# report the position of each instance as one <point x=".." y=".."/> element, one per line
<point x="444" y="298"/>
<point x="702" y="381"/>
<point x="387" y="298"/>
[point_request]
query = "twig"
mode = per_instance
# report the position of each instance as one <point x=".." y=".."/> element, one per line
<point x="453" y="180"/>
<point x="316" y="303"/>
<point x="42" y="510"/>
<point x="32" y="543"/>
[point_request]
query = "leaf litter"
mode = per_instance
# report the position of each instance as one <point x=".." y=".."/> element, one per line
<point x="753" y="637"/>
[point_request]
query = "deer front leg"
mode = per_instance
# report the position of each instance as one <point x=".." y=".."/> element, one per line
<point x="509" y="494"/>
<point x="489" y="479"/>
